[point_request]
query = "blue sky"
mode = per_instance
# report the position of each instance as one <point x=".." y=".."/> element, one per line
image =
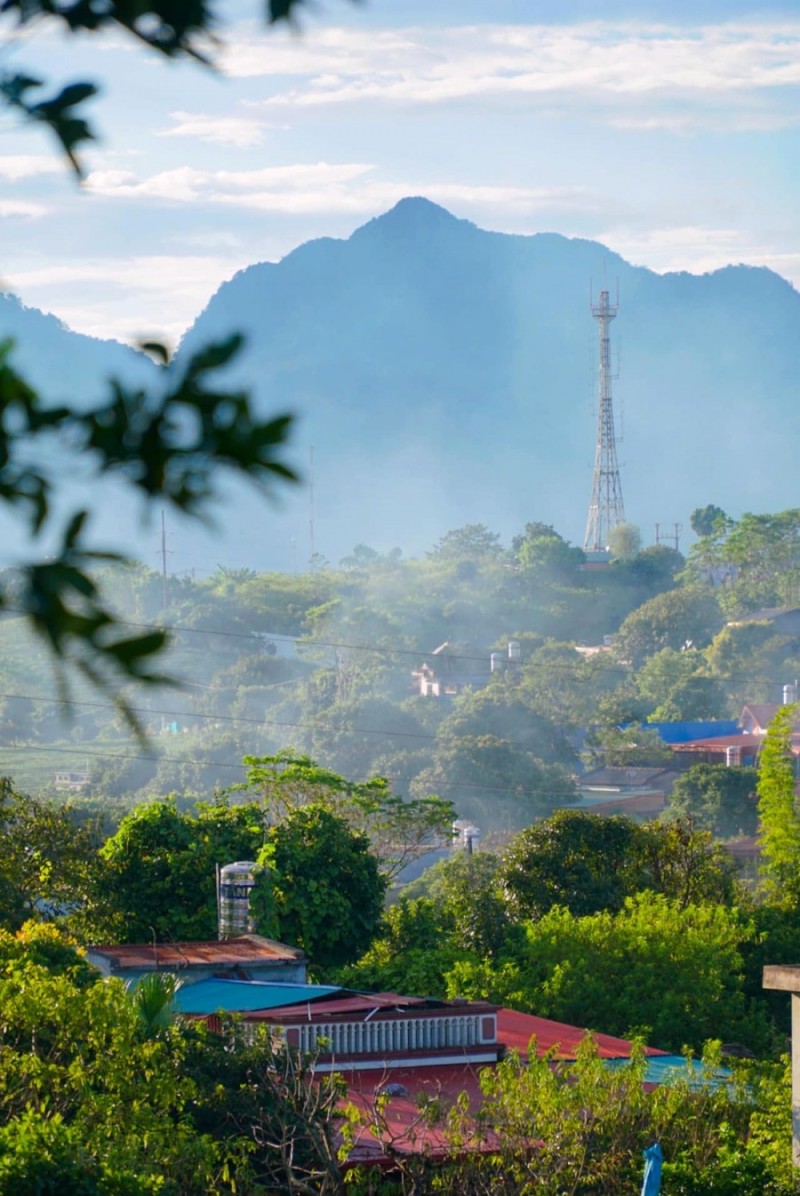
<point x="669" y="131"/>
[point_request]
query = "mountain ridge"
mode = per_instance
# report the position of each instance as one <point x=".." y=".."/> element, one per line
<point x="444" y="375"/>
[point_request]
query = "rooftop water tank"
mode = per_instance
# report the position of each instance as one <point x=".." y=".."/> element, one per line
<point x="236" y="884"/>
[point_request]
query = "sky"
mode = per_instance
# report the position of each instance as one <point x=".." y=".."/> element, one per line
<point x="666" y="130"/>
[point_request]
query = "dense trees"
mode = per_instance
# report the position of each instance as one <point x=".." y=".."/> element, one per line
<point x="323" y="888"/>
<point x="720" y="799"/>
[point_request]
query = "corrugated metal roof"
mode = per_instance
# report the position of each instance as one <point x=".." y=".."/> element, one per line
<point x="516" y="1030"/>
<point x="244" y="996"/>
<point x="354" y="1003"/>
<point x="246" y="949"/>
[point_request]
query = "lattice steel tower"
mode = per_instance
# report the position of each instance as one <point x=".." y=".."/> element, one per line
<point x="606" y="509"/>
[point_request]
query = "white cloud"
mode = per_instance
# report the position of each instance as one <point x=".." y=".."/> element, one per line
<point x="324" y="188"/>
<point x="591" y="62"/>
<point x="126" y="298"/>
<point x="240" y="131"/>
<point x="23" y="208"/>
<point x="16" y="167"/>
<point x="699" y="249"/>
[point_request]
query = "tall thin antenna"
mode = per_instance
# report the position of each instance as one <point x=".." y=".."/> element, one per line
<point x="606" y="508"/>
<point x="312" y="548"/>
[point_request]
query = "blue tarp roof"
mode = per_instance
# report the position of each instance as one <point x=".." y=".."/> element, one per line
<point x="244" y="996"/>
<point x="686" y="732"/>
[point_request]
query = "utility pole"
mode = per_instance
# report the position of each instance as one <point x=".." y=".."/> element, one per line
<point x="163" y="561"/>
<point x="313" y="551"/>
<point x="606" y="509"/>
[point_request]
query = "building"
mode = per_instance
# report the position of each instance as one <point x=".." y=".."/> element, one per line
<point x="638" y="792"/>
<point x="409" y="1049"/>
<point x="247" y="957"/>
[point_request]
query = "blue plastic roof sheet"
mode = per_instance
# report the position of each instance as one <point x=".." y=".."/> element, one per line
<point x="244" y="996"/>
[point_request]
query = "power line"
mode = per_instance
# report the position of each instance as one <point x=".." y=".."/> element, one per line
<point x="77" y="751"/>
<point x="258" y="722"/>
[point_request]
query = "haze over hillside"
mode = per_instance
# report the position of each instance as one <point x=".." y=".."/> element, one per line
<point x="444" y="375"/>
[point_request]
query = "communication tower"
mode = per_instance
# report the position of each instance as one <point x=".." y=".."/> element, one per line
<point x="605" y="509"/>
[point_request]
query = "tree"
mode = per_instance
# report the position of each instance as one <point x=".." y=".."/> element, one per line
<point x="158" y="877"/>
<point x="104" y="1093"/>
<point x="672" y="972"/>
<point x="625" y="541"/>
<point x="473" y="542"/>
<point x="571" y="859"/>
<point x="676" y="619"/>
<point x="704" y="521"/>
<point x="323" y="887"/>
<point x="541" y="550"/>
<point x="587" y="863"/>
<point x="777" y="810"/>
<point x="720" y="799"/>
<point x="629" y="747"/>
<point x="168" y="446"/>
<point x="47" y="858"/>
<point x="398" y="830"/>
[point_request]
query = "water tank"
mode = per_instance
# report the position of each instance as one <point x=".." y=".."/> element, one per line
<point x="496" y="662"/>
<point x="733" y="757"/>
<point x="513" y="650"/>
<point x="472" y="839"/>
<point x="236" y="883"/>
<point x="466" y="836"/>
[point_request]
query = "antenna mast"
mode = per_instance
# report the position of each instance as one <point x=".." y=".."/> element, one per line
<point x="606" y="509"/>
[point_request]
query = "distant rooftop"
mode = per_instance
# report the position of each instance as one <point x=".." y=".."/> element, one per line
<point x="244" y="950"/>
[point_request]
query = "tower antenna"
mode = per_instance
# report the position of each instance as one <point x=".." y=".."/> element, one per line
<point x="606" y="509"/>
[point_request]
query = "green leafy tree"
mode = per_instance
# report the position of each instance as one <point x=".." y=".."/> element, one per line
<point x="571" y="859"/>
<point x="398" y="830"/>
<point x="677" y="619"/>
<point x="676" y="971"/>
<point x="587" y="863"/>
<point x="705" y="520"/>
<point x="158" y="875"/>
<point x="413" y="952"/>
<point x="473" y="542"/>
<point x="751" y="661"/>
<point x="722" y="800"/>
<point x="47" y="858"/>
<point x="777" y="810"/>
<point x="628" y="747"/>
<point x="323" y="887"/>
<point x="625" y="541"/>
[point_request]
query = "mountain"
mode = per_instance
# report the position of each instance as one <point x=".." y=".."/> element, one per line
<point x="445" y="375"/>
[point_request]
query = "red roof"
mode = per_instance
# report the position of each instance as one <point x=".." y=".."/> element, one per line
<point x="246" y="949"/>
<point x="515" y="1030"/>
<point x="408" y="1131"/>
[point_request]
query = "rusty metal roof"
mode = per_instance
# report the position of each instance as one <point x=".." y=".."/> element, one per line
<point x="244" y="950"/>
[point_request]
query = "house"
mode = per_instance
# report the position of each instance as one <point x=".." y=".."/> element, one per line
<point x="405" y="1048"/>
<point x="450" y="672"/>
<point x="639" y="792"/>
<point x="452" y="669"/>
<point x="71" y="780"/>
<point x="245" y="957"/>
